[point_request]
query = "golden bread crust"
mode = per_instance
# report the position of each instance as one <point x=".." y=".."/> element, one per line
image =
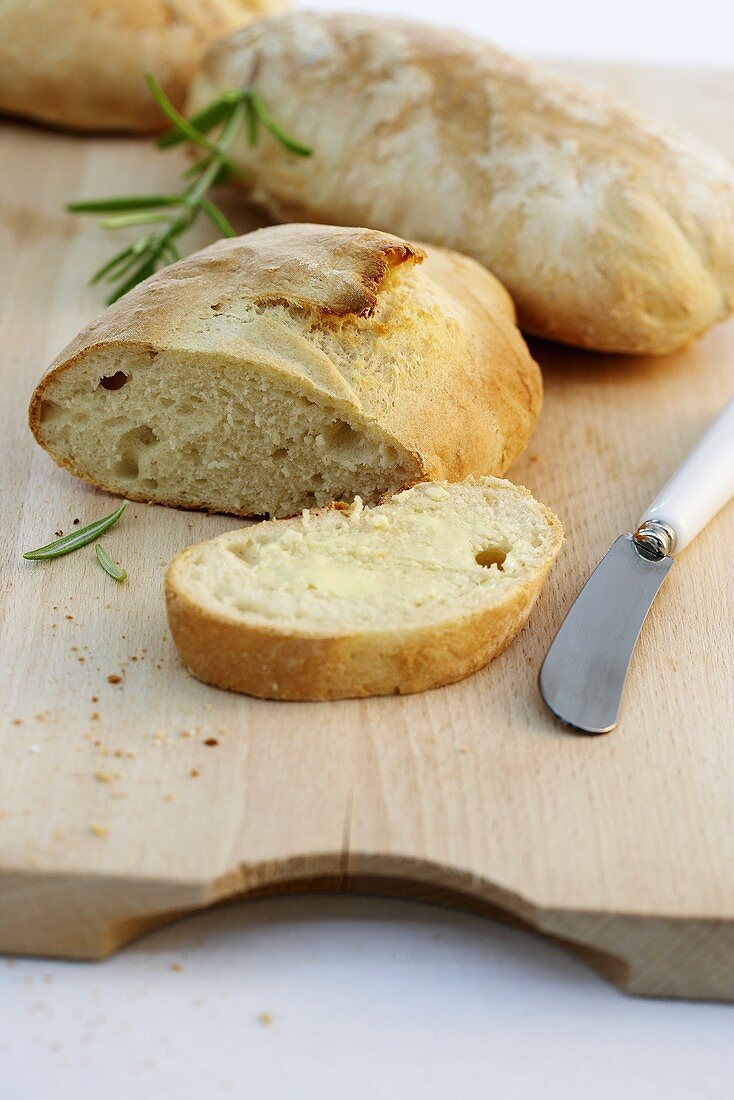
<point x="450" y="379"/>
<point x="80" y="63"/>
<point x="611" y="231"/>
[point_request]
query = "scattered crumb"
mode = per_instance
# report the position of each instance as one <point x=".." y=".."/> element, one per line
<point x="94" y="699"/>
<point x="265" y="1019"/>
<point x="19" y="722"/>
<point x="183" y="733"/>
<point x="70" y="617"/>
<point x="99" y="830"/>
<point x="176" y="967"/>
<point x="533" y="458"/>
<point x="114" y="679"/>
<point x="103" y="777"/>
<point x="168" y="798"/>
<point x="76" y="522"/>
<point x="58" y="534"/>
<point x="211" y="741"/>
<point x="95" y="716"/>
<point x="194" y="773"/>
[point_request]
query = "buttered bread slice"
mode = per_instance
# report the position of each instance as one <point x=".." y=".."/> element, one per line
<point x="418" y="591"/>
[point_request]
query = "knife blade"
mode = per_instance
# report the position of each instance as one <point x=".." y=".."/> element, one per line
<point x="583" y="676"/>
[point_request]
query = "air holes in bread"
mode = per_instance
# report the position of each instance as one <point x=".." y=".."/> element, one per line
<point x="114" y="381"/>
<point x="340" y="434"/>
<point x="491" y="555"/>
<point x="49" y="411"/>
<point x="130" y="446"/>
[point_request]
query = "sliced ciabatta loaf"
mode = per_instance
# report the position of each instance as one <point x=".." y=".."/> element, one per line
<point x="291" y="367"/>
<point x="416" y="592"/>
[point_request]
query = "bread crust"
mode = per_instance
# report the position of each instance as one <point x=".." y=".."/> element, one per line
<point x="80" y="63"/>
<point x="222" y="650"/>
<point x="273" y="665"/>
<point x="611" y="231"/>
<point x="466" y="403"/>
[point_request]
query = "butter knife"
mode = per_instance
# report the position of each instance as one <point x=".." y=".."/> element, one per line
<point x="583" y="676"/>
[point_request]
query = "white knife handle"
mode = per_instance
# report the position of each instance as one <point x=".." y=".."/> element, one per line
<point x="700" y="487"/>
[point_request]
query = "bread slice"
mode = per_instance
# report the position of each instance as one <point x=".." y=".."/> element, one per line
<point x="292" y="367"/>
<point x="416" y="592"/>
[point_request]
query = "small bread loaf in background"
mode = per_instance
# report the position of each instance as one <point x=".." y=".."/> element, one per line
<point x="80" y="63"/>
<point x="611" y="231"/>
<point x="419" y="591"/>
<point x="291" y="367"/>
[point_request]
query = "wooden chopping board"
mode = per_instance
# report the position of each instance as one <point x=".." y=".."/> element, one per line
<point x="130" y="793"/>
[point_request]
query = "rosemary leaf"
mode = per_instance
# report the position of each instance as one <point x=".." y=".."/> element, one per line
<point x="187" y="130"/>
<point x="204" y="121"/>
<point x="122" y="202"/>
<point x="124" y="221"/>
<point x="113" y="266"/>
<point x="139" y="275"/>
<point x="110" y="567"/>
<point x="170" y="216"/>
<point x="277" y="131"/>
<point x="76" y="539"/>
<point x="218" y="217"/>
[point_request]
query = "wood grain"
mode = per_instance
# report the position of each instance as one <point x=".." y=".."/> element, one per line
<point x="115" y="812"/>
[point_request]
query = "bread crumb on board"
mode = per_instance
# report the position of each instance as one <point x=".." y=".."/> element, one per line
<point x="99" y="830"/>
<point x="265" y="1019"/>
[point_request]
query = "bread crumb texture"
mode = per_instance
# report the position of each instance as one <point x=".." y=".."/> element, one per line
<point x="419" y="590"/>
<point x="289" y="368"/>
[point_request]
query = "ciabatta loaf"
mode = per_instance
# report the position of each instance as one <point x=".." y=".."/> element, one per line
<point x="416" y="592"/>
<point x="291" y="367"/>
<point x="81" y="63"/>
<point x="610" y="231"/>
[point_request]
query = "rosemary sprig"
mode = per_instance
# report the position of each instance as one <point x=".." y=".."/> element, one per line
<point x="110" y="567"/>
<point x="173" y="214"/>
<point x="76" y="539"/>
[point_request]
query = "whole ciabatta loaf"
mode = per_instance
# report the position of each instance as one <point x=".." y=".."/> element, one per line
<point x="81" y="63"/>
<point x="291" y="367"/>
<point x="419" y="591"/>
<point x="610" y="231"/>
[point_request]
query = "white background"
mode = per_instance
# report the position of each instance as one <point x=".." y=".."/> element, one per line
<point x="367" y="999"/>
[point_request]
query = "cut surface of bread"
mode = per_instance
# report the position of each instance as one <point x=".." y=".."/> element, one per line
<point x="289" y="368"/>
<point x="417" y="591"/>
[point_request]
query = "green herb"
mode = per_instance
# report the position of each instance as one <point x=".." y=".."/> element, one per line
<point x="110" y="567"/>
<point x="173" y="214"/>
<point x="76" y="539"/>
